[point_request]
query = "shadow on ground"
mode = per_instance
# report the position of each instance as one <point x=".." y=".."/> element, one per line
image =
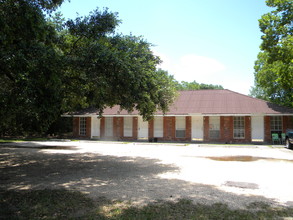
<point x="133" y="179"/>
<point x="64" y="204"/>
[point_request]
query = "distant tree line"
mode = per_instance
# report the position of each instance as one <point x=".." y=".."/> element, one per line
<point x="183" y="85"/>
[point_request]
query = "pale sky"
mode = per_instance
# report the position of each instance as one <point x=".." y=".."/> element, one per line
<point x="209" y="41"/>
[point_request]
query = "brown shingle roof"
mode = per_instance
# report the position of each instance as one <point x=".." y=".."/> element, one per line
<point x="208" y="102"/>
<point x="223" y="102"/>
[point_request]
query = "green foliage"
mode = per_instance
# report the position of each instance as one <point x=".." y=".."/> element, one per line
<point x="113" y="69"/>
<point x="49" y="67"/>
<point x="196" y="86"/>
<point x="29" y="69"/>
<point x="274" y="67"/>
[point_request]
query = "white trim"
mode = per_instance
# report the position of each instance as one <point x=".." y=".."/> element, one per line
<point x="188" y="114"/>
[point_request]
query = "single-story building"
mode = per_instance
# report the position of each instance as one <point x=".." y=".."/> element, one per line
<point x="201" y="115"/>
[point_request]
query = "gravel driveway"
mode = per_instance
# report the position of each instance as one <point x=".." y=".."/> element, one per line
<point x="142" y="172"/>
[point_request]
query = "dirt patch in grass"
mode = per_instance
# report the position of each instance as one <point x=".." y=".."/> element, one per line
<point x="65" y="204"/>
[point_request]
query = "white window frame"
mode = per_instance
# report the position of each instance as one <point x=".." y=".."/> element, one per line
<point x="214" y="127"/>
<point x="276" y="124"/>
<point x="238" y="127"/>
<point x="82" y="126"/>
<point x="180" y="125"/>
<point x="127" y="126"/>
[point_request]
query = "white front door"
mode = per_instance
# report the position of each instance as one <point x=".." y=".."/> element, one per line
<point x="95" y="128"/>
<point x="257" y="128"/>
<point x="143" y="129"/>
<point x="197" y="128"/>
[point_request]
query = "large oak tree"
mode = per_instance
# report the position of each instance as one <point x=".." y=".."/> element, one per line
<point x="49" y="66"/>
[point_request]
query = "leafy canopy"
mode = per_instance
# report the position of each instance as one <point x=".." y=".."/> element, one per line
<point x="49" y="67"/>
<point x="274" y="66"/>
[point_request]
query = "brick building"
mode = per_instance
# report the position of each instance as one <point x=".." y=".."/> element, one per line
<point x="202" y="115"/>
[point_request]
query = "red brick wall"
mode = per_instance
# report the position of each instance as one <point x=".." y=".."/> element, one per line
<point x="76" y="127"/>
<point x="169" y="128"/>
<point x="118" y="128"/>
<point x="247" y="124"/>
<point x="226" y="129"/>
<point x="287" y="123"/>
<point x="134" y="128"/>
<point x="102" y="127"/>
<point x="151" y="129"/>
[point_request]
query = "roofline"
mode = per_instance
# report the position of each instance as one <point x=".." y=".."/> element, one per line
<point x="195" y="114"/>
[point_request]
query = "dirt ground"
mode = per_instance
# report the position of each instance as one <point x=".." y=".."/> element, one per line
<point x="143" y="172"/>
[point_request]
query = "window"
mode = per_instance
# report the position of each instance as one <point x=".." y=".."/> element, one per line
<point x="109" y="127"/>
<point x="158" y="126"/>
<point x="180" y="127"/>
<point x="276" y="124"/>
<point x="128" y="126"/>
<point x="239" y="128"/>
<point x="214" y="127"/>
<point x="82" y="126"/>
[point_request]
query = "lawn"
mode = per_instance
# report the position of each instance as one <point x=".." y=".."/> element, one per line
<point x="65" y="204"/>
<point x="11" y="140"/>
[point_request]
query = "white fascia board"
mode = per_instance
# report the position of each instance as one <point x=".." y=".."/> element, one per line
<point x="249" y="114"/>
<point x="191" y="114"/>
<point x="226" y="114"/>
<point x="71" y="116"/>
<point x="279" y="115"/>
<point x="67" y="116"/>
<point x="120" y="115"/>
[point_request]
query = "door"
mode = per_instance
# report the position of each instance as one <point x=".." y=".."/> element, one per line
<point x="257" y="128"/>
<point x="95" y="128"/>
<point x="197" y="128"/>
<point x="143" y="129"/>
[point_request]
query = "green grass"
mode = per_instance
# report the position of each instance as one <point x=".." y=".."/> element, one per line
<point x="10" y="140"/>
<point x="64" y="204"/>
<point x="22" y="140"/>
